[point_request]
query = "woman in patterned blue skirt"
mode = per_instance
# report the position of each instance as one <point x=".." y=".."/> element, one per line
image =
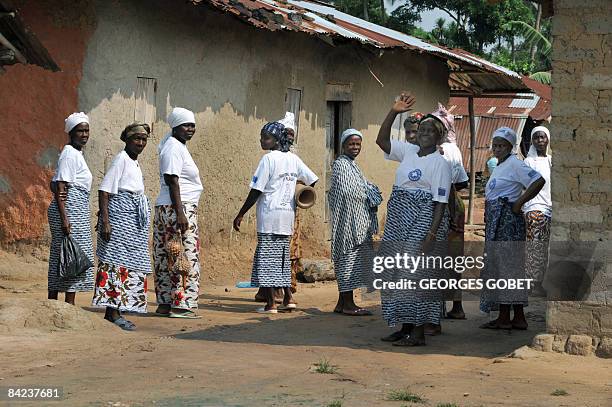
<point x="68" y="213"/>
<point x="273" y="189"/>
<point x="416" y="217"/>
<point x="512" y="184"/>
<point x="123" y="233"/>
<point x="354" y="222"/>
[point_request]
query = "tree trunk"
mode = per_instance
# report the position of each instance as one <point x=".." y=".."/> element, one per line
<point x="534" y="48"/>
<point x="383" y="16"/>
<point x="365" y="10"/>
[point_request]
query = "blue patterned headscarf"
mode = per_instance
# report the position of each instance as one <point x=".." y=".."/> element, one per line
<point x="278" y="131"/>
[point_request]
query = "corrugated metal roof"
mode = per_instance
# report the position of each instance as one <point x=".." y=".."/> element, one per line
<point x="522" y="103"/>
<point x="538" y="107"/>
<point x="333" y="25"/>
<point x="485" y="126"/>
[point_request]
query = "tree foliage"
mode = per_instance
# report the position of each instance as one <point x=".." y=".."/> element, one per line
<point x="503" y="32"/>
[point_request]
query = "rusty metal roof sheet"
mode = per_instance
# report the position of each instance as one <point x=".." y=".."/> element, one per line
<point x="485" y="126"/>
<point x="468" y="72"/>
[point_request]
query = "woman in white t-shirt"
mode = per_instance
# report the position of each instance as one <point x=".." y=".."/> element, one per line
<point x="416" y="217"/>
<point x="68" y="213"/>
<point x="512" y="184"/>
<point x="538" y="211"/>
<point x="176" y="219"/>
<point x="273" y="189"/>
<point x="123" y="233"/>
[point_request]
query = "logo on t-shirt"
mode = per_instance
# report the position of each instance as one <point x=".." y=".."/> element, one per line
<point x="254" y="179"/>
<point x="441" y="191"/>
<point x="415" y="175"/>
<point x="532" y="173"/>
<point x="492" y="183"/>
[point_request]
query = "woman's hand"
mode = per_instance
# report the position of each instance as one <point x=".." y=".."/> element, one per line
<point x="237" y="222"/>
<point x="105" y="233"/>
<point x="181" y="222"/>
<point x="66" y="227"/>
<point x="404" y="103"/>
<point x="428" y="242"/>
<point x="516" y="208"/>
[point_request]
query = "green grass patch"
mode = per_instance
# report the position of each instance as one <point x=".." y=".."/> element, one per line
<point x="404" y="395"/>
<point x="324" y="366"/>
<point x="559" y="392"/>
<point x="335" y="403"/>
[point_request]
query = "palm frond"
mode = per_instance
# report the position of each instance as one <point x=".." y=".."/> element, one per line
<point x="531" y="36"/>
<point x="542" y="77"/>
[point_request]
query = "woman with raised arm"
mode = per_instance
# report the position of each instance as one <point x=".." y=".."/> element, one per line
<point x="416" y="217"/>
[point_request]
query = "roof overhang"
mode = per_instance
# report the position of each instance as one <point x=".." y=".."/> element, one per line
<point x="18" y="44"/>
<point x="468" y="73"/>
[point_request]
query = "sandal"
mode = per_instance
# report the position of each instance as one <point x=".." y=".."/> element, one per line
<point x="359" y="312"/>
<point x="185" y="315"/>
<point x="395" y="336"/>
<point x="289" y="307"/>
<point x="263" y="310"/>
<point x="409" y="341"/>
<point x="494" y="325"/>
<point x="124" y="324"/>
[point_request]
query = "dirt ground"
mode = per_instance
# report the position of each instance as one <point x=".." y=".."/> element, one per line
<point x="235" y="357"/>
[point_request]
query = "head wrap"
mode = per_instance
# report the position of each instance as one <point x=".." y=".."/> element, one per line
<point x="133" y="129"/>
<point x="507" y="134"/>
<point x="413" y="118"/>
<point x="288" y="121"/>
<point x="74" y="120"/>
<point x="448" y="120"/>
<point x="348" y="133"/>
<point x="438" y="123"/>
<point x="178" y="116"/>
<point x="278" y="131"/>
<point x="532" y="150"/>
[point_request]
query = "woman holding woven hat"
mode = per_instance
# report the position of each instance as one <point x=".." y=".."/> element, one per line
<point x="416" y="217"/>
<point x="273" y="189"/>
<point x="176" y="219"/>
<point x="353" y="202"/>
<point x="538" y="211"/>
<point x="511" y="185"/>
<point x="123" y="233"/>
<point x="68" y="213"/>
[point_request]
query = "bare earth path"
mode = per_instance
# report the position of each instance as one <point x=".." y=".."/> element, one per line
<point x="235" y="357"/>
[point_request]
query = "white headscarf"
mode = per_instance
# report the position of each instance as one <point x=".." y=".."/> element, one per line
<point x="288" y="121"/>
<point x="348" y="133"/>
<point x="178" y="116"/>
<point x="532" y="150"/>
<point x="74" y="120"/>
<point x="507" y="134"/>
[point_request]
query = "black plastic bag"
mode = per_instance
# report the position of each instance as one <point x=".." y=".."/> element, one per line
<point x="73" y="261"/>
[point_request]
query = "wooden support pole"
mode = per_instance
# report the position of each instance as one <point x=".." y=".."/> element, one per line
<point x="472" y="160"/>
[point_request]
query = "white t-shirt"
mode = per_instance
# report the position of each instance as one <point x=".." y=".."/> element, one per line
<point x="124" y="174"/>
<point x="276" y="176"/>
<point x="174" y="159"/>
<point x="509" y="179"/>
<point x="543" y="201"/>
<point x="430" y="173"/>
<point x="72" y="168"/>
<point x="452" y="154"/>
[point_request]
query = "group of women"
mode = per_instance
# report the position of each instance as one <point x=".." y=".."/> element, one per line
<point x="425" y="207"/>
<point x="120" y="282"/>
